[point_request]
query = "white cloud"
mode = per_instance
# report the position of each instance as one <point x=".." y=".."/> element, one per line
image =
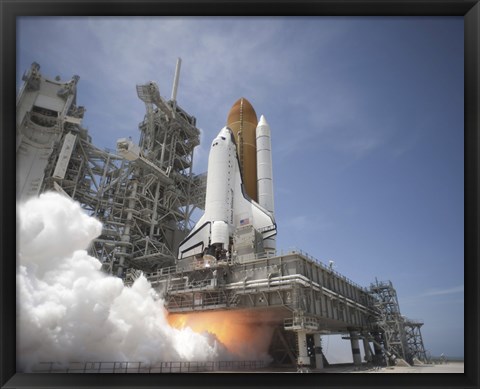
<point x="446" y="291"/>
<point x="223" y="59"/>
<point x="69" y="310"/>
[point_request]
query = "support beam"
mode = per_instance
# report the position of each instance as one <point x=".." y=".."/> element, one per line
<point x="303" y="358"/>
<point x="357" y="357"/>
<point x="377" y="347"/>
<point x="366" y="347"/>
<point x="318" y="351"/>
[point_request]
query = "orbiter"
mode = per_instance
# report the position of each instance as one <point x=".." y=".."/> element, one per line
<point x="228" y="205"/>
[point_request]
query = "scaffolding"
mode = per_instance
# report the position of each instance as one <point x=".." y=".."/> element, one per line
<point x="390" y="320"/>
<point x="415" y="340"/>
<point x="143" y="194"/>
<point x="46" y="111"/>
<point x="399" y="336"/>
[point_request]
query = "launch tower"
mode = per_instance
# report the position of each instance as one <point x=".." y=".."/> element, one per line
<point x="144" y="194"/>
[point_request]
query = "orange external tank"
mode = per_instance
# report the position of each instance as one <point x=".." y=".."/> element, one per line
<point x="242" y="120"/>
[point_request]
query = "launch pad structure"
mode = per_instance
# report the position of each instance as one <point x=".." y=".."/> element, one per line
<point x="145" y="195"/>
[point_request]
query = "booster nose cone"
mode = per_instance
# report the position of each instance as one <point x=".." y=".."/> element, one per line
<point x="262" y="121"/>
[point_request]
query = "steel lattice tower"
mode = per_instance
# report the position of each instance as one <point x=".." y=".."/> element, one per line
<point x="415" y="340"/>
<point x="144" y="197"/>
<point x="390" y="321"/>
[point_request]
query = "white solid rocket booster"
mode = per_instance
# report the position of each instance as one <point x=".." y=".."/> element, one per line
<point x="265" y="174"/>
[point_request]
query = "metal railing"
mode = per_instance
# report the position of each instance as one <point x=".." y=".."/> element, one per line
<point x="144" y="367"/>
<point x="253" y="257"/>
<point x="291" y="251"/>
<point x="301" y="322"/>
<point x="325" y="267"/>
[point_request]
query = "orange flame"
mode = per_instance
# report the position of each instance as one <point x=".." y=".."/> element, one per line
<point x="243" y="333"/>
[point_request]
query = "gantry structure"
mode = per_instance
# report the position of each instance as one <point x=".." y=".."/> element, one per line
<point x="144" y="194"/>
<point x="399" y="336"/>
<point x="302" y="299"/>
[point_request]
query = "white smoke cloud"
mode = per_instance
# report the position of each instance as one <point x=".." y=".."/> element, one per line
<point x="70" y="311"/>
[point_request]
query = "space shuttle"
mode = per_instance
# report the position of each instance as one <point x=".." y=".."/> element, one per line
<point x="228" y="206"/>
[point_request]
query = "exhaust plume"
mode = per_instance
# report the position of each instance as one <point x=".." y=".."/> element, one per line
<point x="70" y="311"/>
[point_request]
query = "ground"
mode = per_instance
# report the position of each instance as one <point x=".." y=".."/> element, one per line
<point x="450" y="367"/>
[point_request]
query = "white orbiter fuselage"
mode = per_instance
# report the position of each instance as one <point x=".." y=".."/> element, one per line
<point x="227" y="207"/>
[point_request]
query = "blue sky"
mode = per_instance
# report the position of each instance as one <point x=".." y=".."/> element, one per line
<point x="367" y="129"/>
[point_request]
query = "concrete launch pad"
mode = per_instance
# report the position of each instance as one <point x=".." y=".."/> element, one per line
<point x="453" y="367"/>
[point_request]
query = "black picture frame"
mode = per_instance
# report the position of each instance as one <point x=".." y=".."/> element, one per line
<point x="10" y="10"/>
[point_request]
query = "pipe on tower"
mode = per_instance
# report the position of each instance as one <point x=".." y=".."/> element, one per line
<point x="175" y="79"/>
